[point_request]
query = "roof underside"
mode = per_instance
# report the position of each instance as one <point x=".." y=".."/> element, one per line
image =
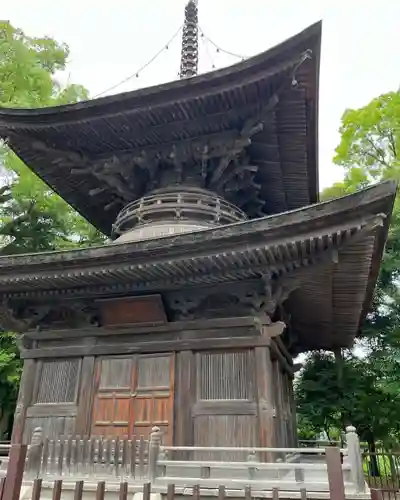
<point x="332" y="249"/>
<point x="101" y="154"/>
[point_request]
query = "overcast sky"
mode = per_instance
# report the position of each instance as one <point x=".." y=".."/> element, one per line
<point x="111" y="40"/>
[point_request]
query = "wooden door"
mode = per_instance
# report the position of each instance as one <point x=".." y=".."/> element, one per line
<point x="154" y="399"/>
<point x="114" y="382"/>
<point x="134" y="394"/>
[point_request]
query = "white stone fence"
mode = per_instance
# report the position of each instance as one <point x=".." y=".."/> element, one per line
<point x="138" y="461"/>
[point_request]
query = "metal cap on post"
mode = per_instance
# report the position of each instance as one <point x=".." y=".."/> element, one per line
<point x="355" y="458"/>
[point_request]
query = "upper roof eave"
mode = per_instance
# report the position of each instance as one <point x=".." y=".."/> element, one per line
<point x="310" y="38"/>
<point x="46" y="139"/>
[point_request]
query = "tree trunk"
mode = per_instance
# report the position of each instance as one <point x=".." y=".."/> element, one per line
<point x="373" y="461"/>
<point x="340" y="382"/>
<point x="10" y="425"/>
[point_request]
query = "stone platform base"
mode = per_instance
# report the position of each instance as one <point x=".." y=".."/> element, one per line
<point x="135" y="493"/>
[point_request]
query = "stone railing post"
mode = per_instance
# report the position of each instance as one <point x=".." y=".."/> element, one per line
<point x="355" y="459"/>
<point x="34" y="454"/>
<point x="154" y="450"/>
<point x="252" y="459"/>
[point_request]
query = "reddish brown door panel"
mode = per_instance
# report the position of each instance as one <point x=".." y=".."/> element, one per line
<point x="134" y="394"/>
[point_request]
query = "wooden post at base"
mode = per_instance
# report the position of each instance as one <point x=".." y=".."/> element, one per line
<point x="265" y="400"/>
<point x="376" y="494"/>
<point x="335" y="473"/>
<point x="24" y="400"/>
<point x="15" y="472"/>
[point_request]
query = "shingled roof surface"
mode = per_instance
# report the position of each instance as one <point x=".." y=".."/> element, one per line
<point x="55" y="141"/>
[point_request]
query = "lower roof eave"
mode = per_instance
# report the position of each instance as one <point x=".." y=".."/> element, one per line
<point x="236" y="264"/>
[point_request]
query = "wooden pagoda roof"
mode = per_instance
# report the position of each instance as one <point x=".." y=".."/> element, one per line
<point x="333" y="249"/>
<point x="101" y="154"/>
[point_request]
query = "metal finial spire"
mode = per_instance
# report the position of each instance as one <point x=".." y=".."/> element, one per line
<point x="190" y="48"/>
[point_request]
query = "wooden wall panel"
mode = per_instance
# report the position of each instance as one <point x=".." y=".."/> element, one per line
<point x="53" y="405"/>
<point x="225" y="430"/>
<point x="58" y="381"/>
<point x="225" y="375"/>
<point x="225" y="413"/>
<point x="53" y="427"/>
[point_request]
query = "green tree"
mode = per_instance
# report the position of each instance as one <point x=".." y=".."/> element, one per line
<point x="370" y="139"/>
<point x="32" y="217"/>
<point x="369" y="151"/>
<point x="329" y="404"/>
<point x="366" y="393"/>
<point x="43" y="221"/>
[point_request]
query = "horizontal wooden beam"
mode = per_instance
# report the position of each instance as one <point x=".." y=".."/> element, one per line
<point x="231" y="407"/>
<point x="187" y="326"/>
<point x="145" y="347"/>
<point x="52" y="410"/>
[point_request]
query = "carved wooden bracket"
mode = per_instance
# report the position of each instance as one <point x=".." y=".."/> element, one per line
<point x="20" y="317"/>
<point x="9" y="321"/>
<point x="238" y="301"/>
<point x="217" y="162"/>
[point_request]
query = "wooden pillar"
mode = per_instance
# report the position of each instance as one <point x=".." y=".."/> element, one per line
<point x="15" y="472"/>
<point x="25" y="395"/>
<point x="85" y="398"/>
<point x="264" y="381"/>
<point x="184" y="399"/>
<point x="292" y="404"/>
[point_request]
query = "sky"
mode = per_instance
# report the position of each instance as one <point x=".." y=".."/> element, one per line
<point x="110" y="41"/>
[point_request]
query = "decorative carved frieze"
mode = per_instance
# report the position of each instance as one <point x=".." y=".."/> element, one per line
<point x="217" y="162"/>
<point x="20" y="316"/>
<point x="9" y="321"/>
<point x="260" y="299"/>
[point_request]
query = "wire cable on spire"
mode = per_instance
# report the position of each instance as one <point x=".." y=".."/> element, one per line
<point x="208" y="53"/>
<point x="220" y="49"/>
<point x="136" y="73"/>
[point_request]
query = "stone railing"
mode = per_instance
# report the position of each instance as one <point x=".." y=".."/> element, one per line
<point x="139" y="461"/>
<point x="291" y="469"/>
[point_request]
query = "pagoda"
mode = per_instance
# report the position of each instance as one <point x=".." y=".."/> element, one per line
<point x="223" y="265"/>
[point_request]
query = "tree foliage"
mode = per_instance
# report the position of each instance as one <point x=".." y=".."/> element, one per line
<point x="370" y="139"/>
<point x="368" y="396"/>
<point x="32" y="217"/>
<point x="360" y="397"/>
